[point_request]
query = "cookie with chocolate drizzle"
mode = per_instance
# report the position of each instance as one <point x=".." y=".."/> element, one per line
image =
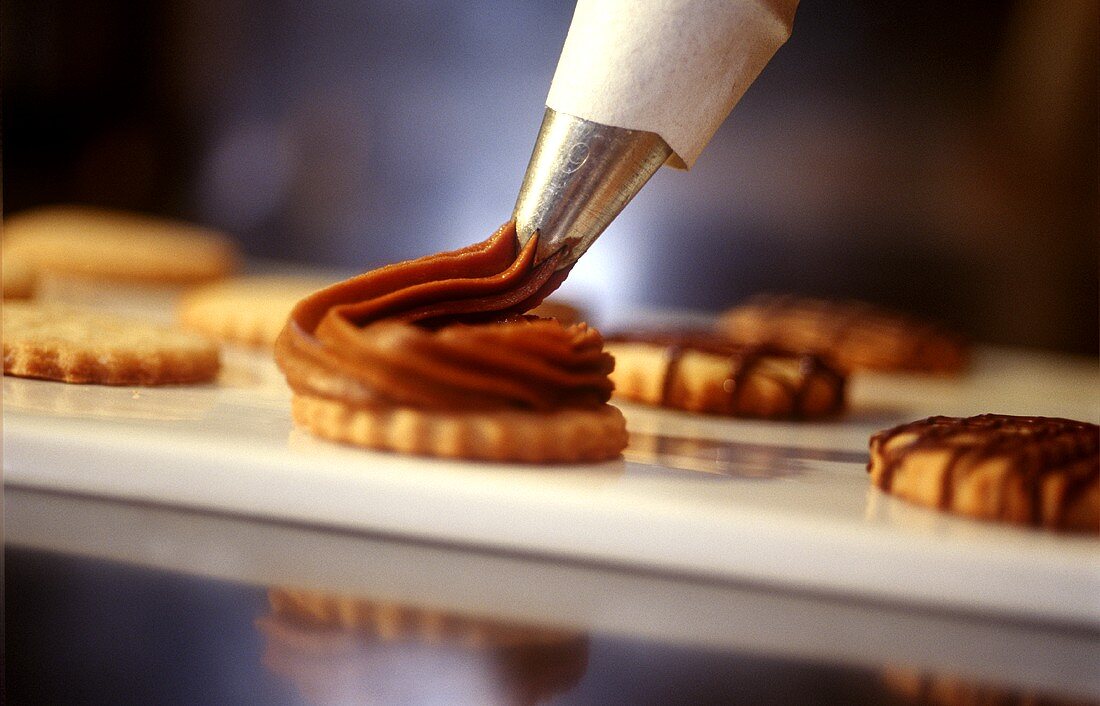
<point x="1036" y="471"/>
<point x="854" y="335"/>
<point x="701" y="372"/>
<point x="435" y="356"/>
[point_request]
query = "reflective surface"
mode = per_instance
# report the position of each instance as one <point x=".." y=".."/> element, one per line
<point x="779" y="502"/>
<point x="121" y="635"/>
<point x="165" y="606"/>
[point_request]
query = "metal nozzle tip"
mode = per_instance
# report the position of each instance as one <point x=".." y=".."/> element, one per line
<point x="580" y="177"/>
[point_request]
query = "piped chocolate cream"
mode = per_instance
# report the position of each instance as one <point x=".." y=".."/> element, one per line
<point x="446" y="332"/>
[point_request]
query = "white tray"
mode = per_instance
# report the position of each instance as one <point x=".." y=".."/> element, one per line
<point x="774" y="503"/>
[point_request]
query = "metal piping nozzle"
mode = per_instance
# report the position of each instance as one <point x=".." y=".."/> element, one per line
<point x="580" y="177"/>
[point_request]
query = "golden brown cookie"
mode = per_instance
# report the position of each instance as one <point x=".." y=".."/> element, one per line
<point x="55" y="342"/>
<point x="1025" y="470"/>
<point x="703" y="373"/>
<point x="116" y="261"/>
<point x="96" y="244"/>
<point x="249" y="310"/>
<point x="493" y="435"/>
<point x="854" y="335"/>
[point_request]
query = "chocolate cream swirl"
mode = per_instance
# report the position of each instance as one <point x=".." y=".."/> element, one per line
<point x="446" y="331"/>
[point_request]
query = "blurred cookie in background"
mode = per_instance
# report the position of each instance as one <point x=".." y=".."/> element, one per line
<point x="116" y="259"/>
<point x="854" y="335"/>
<point x="250" y="310"/>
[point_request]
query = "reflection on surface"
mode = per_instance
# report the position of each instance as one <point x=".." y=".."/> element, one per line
<point x="948" y="690"/>
<point x="113" y="632"/>
<point x="885" y="508"/>
<point x="161" y="404"/>
<point x="733" y="459"/>
<point x="337" y="649"/>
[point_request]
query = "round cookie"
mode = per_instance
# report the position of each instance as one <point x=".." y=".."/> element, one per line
<point x="249" y="310"/>
<point x="61" y="343"/>
<point x="704" y="373"/>
<point x="103" y="245"/>
<point x="854" y="335"/>
<point x="564" y="436"/>
<point x="1036" y="471"/>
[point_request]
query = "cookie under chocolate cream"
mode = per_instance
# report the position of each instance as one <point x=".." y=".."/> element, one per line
<point x="434" y="356"/>
<point x="1037" y="471"/>
<point x="702" y="372"/>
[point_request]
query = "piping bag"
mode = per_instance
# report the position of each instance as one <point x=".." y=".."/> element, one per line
<point x="640" y="83"/>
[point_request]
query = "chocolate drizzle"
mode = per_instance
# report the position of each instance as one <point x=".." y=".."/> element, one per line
<point x="1035" y="449"/>
<point x="742" y="364"/>
<point x="673" y="355"/>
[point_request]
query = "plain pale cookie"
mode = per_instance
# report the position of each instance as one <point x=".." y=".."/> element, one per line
<point x="103" y="245"/>
<point x="248" y="310"/>
<point x="854" y="335"/>
<point x="568" y="435"/>
<point x="80" y="346"/>
<point x="1024" y="470"/>
<point x="699" y="373"/>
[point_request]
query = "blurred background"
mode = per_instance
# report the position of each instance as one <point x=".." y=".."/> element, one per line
<point x="938" y="157"/>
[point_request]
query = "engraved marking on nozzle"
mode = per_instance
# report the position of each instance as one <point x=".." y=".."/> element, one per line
<point x="580" y="177"/>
